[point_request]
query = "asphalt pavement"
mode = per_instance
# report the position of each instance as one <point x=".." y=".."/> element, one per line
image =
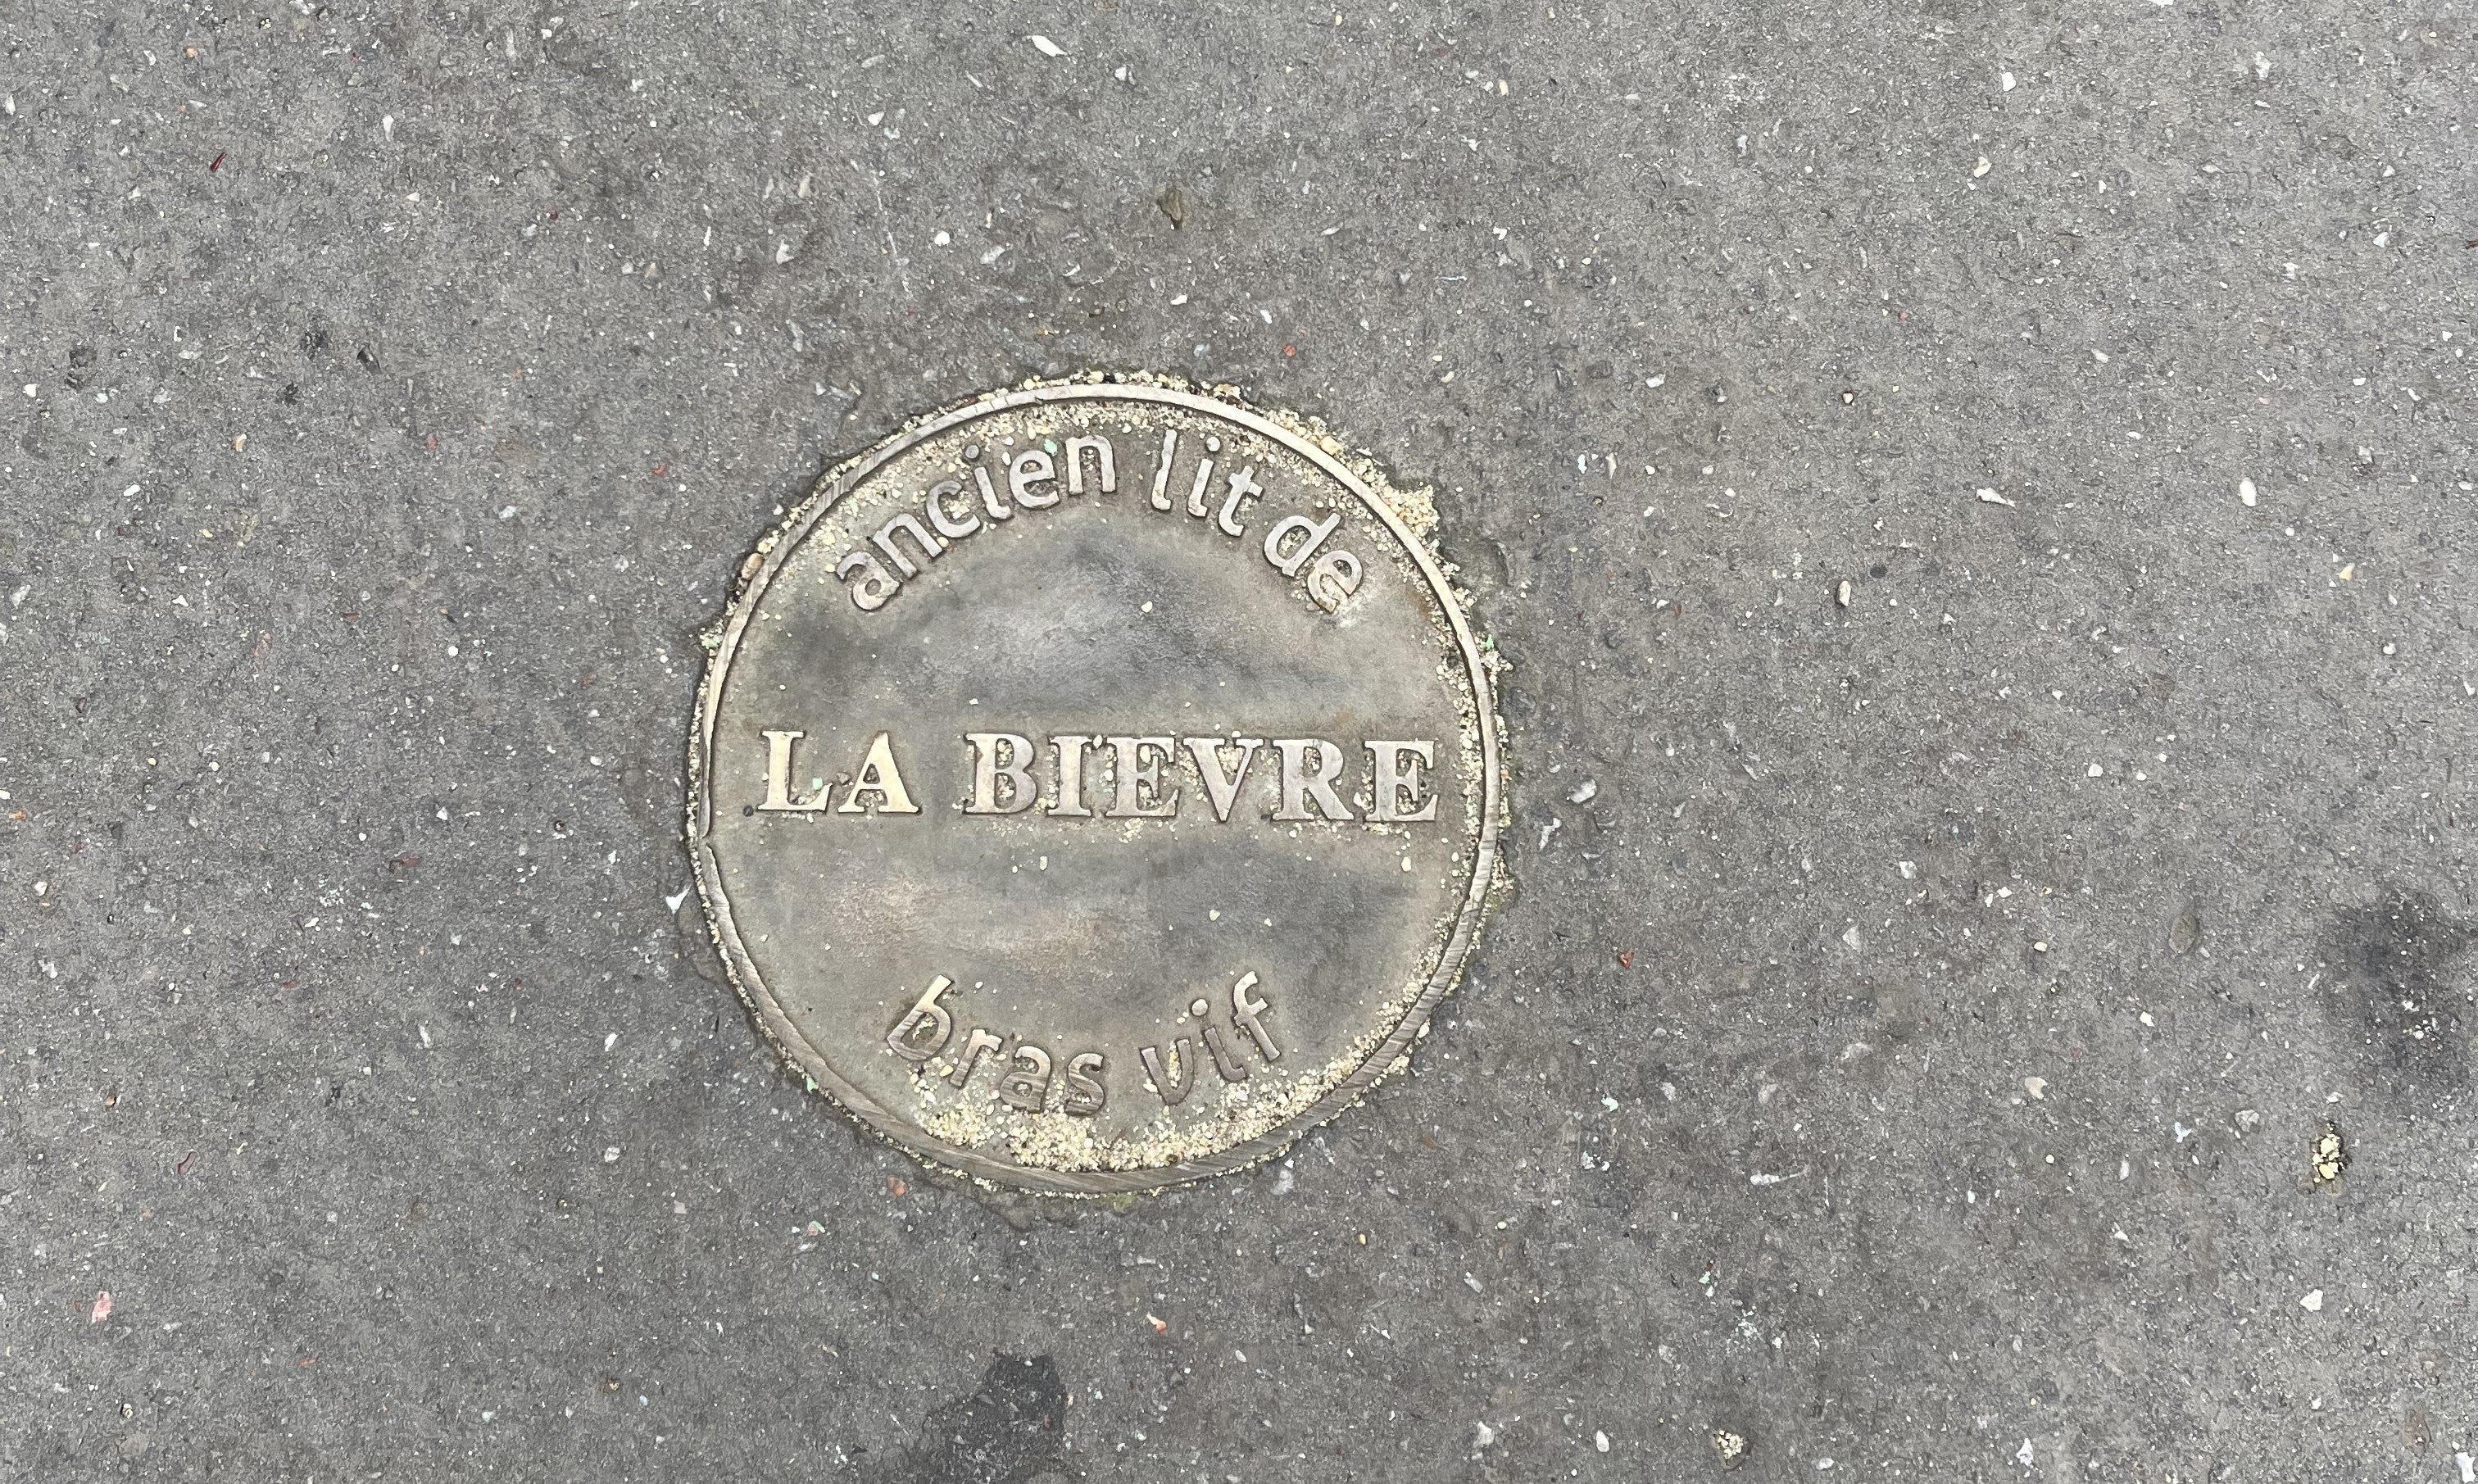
<point x="1974" y="503"/>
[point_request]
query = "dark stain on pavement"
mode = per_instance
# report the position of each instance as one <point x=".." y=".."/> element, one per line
<point x="1012" y="1430"/>
<point x="2398" y="968"/>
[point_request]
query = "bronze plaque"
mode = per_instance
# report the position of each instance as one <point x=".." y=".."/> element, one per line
<point x="1096" y="784"/>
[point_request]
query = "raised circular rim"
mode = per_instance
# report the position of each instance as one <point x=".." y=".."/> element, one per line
<point x="776" y="548"/>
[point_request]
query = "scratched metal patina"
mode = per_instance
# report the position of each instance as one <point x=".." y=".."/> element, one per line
<point x="1095" y="784"/>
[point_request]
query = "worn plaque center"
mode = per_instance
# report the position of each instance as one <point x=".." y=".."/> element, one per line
<point x="1094" y="784"/>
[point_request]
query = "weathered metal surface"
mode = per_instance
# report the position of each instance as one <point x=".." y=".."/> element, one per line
<point x="1095" y="784"/>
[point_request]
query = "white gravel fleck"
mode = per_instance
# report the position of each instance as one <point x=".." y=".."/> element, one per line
<point x="1046" y="46"/>
<point x="2313" y="1302"/>
<point x="1585" y="793"/>
<point x="2245" y="492"/>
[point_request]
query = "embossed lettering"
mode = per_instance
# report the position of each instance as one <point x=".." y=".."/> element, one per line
<point x="778" y="777"/>
<point x="1242" y="487"/>
<point x="1231" y="1068"/>
<point x="879" y="776"/>
<point x="1073" y="453"/>
<point x="905" y="1042"/>
<point x="1026" y="469"/>
<point x="1161" y="470"/>
<point x="1249" y="1010"/>
<point x="902" y="547"/>
<point x="1399" y="788"/>
<point x="1027" y="1079"/>
<point x="1069" y="802"/>
<point x="1085" y="1095"/>
<point x="1203" y="479"/>
<point x="977" y="1045"/>
<point x="1173" y="1091"/>
<point x="1222" y="792"/>
<point x="1311" y="535"/>
<point x="876" y="584"/>
<point x="1139" y="791"/>
<point x="1247" y="1013"/>
<point x="1334" y="578"/>
<point x="949" y="525"/>
<point x="1301" y="783"/>
<point x="1008" y="770"/>
<point x="928" y="1026"/>
<point x="990" y="500"/>
<point x="907" y="524"/>
<point x="988" y="770"/>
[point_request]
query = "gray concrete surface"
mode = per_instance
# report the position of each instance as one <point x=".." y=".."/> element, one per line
<point x="1912" y="1057"/>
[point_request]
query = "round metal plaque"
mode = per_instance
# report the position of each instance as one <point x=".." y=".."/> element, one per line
<point x="1096" y="784"/>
